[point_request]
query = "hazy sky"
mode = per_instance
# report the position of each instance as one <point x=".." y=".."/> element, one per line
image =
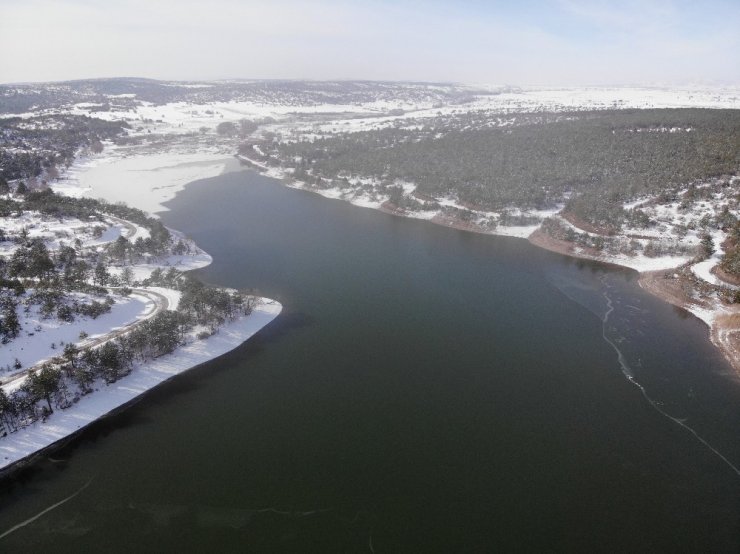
<point x="517" y="42"/>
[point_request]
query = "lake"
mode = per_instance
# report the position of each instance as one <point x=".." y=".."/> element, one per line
<point x="424" y="390"/>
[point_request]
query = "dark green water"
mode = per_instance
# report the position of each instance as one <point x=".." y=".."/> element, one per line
<point x="425" y="390"/>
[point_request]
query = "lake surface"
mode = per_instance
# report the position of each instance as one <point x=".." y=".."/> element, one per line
<point x="424" y="390"/>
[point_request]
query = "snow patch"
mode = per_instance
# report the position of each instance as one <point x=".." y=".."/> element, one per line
<point x="33" y="345"/>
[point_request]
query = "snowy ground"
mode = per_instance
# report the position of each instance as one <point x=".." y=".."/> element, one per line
<point x="638" y="262"/>
<point x="646" y="263"/>
<point x="703" y="269"/>
<point x="56" y="232"/>
<point x="34" y="344"/>
<point x="685" y="224"/>
<point x="91" y="407"/>
<point x="568" y="98"/>
<point x="41" y="339"/>
<point x="507" y="101"/>
<point x="171" y="295"/>
<point x="187" y="117"/>
<point x="185" y="262"/>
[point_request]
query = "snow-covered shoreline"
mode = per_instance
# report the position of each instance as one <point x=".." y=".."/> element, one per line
<point x="62" y="424"/>
<point x="154" y="197"/>
<point x="716" y="316"/>
<point x="25" y="444"/>
<point x="155" y="170"/>
<point x="720" y="319"/>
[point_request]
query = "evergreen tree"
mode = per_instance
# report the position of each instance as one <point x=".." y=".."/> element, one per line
<point x="9" y="324"/>
<point x="101" y="273"/>
<point x="8" y="412"/>
<point x="120" y="248"/>
<point x="44" y="383"/>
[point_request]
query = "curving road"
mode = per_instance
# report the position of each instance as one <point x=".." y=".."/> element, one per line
<point x="161" y="303"/>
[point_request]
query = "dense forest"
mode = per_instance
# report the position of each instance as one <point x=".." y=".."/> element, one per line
<point x="595" y="159"/>
<point x="36" y="146"/>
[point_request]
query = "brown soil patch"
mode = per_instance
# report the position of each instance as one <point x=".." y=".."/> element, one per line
<point x="675" y="289"/>
<point x="390" y="208"/>
<point x="543" y="240"/>
<point x="724" y="276"/>
<point x="668" y="286"/>
<point x="726" y="336"/>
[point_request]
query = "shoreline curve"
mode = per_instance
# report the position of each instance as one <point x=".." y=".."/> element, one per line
<point x="25" y="446"/>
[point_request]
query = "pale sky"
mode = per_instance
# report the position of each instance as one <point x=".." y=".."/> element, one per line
<point x="550" y="42"/>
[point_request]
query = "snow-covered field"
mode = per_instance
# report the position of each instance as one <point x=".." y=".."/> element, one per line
<point x="574" y="98"/>
<point x="56" y="232"/>
<point x="643" y="263"/>
<point x="42" y="339"/>
<point x="184" y="262"/>
<point x="63" y="423"/>
<point x="685" y="224"/>
<point x="703" y="269"/>
<point x="187" y="117"/>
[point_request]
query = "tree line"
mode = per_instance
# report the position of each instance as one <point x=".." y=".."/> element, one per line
<point x="30" y="147"/>
<point x="596" y="159"/>
<point x="61" y="382"/>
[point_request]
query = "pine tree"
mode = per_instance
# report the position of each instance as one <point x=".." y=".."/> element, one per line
<point x="101" y="273"/>
<point x="707" y="245"/>
<point x="44" y="383"/>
